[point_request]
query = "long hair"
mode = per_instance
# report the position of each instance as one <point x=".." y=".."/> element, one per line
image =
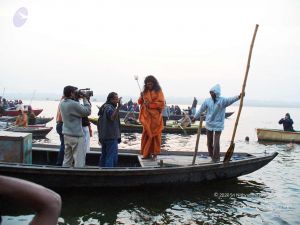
<point x="151" y="78"/>
<point x="110" y="96"/>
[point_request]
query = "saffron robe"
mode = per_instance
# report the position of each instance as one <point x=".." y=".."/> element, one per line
<point x="151" y="118"/>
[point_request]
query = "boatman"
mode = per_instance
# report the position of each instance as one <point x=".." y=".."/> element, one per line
<point x="214" y="122"/>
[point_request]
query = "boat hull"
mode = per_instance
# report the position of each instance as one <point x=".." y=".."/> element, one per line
<point x="169" y="129"/>
<point x="16" y="112"/>
<point x="127" y="176"/>
<point x="36" y="131"/>
<point x="274" y="135"/>
<point x="123" y="113"/>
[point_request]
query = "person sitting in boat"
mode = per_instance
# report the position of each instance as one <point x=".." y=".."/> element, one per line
<point x="124" y="107"/>
<point x="21" y="120"/>
<point x="287" y="123"/>
<point x="5" y="104"/>
<point x="130" y="104"/>
<point x="31" y="116"/>
<point x="185" y="121"/>
<point x="20" y="105"/>
<point x="177" y="110"/>
<point x="130" y="118"/>
<point x="166" y="114"/>
<point x="136" y="107"/>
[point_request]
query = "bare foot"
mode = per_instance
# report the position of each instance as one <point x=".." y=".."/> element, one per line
<point x="154" y="157"/>
<point x="146" y="157"/>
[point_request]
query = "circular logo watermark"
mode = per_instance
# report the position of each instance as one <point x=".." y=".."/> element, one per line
<point x="20" y="17"/>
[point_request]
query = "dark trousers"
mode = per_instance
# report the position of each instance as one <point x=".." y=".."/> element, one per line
<point x="165" y="120"/>
<point x="213" y="144"/>
<point x="61" y="153"/>
<point x="109" y="154"/>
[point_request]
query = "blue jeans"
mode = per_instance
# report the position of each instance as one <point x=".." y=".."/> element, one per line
<point x="109" y="155"/>
<point x="61" y="153"/>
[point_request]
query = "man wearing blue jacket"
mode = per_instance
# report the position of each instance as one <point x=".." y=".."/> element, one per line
<point x="214" y="123"/>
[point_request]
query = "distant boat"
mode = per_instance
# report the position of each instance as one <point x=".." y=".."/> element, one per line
<point x="43" y="120"/>
<point x="123" y="113"/>
<point x="39" y="120"/>
<point x="277" y="135"/>
<point x="15" y="112"/>
<point x="37" y="132"/>
<point x="170" y="128"/>
<point x="171" y="168"/>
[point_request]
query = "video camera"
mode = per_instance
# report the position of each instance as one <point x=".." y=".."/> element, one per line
<point x="85" y="92"/>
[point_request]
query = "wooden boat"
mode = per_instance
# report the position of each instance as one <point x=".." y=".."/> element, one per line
<point x="277" y="135"/>
<point x="43" y="120"/>
<point x="15" y="112"/>
<point x="123" y="113"/>
<point x="7" y="118"/>
<point x="37" y="132"/>
<point x="133" y="171"/>
<point x="39" y="120"/>
<point x="169" y="129"/>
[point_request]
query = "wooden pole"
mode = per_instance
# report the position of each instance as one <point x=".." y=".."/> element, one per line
<point x="231" y="147"/>
<point x="197" y="140"/>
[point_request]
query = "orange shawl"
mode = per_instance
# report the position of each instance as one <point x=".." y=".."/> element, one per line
<point x="21" y="120"/>
<point x="151" y="118"/>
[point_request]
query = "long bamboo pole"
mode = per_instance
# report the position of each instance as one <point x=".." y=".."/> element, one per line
<point x="231" y="147"/>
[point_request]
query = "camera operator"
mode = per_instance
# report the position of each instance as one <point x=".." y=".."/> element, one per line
<point x="72" y="112"/>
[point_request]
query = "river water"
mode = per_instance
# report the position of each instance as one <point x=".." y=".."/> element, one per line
<point x="267" y="196"/>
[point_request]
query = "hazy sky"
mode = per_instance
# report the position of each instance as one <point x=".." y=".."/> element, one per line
<point x="189" y="45"/>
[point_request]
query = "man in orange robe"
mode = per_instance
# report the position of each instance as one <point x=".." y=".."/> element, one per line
<point x="152" y="103"/>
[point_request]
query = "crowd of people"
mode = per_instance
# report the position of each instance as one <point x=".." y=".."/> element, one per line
<point x="74" y="128"/>
<point x="10" y="104"/>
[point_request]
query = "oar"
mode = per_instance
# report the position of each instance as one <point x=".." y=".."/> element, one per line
<point x="184" y="131"/>
<point x="231" y="147"/>
<point x="197" y="140"/>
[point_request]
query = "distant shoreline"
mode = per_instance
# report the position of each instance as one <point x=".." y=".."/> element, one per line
<point x="170" y="100"/>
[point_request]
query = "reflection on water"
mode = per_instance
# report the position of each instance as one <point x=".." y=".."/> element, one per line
<point x="215" y="203"/>
<point x="218" y="202"/>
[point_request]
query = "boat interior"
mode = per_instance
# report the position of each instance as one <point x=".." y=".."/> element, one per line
<point x="131" y="158"/>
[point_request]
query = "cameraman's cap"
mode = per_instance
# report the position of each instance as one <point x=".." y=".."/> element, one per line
<point x="68" y="90"/>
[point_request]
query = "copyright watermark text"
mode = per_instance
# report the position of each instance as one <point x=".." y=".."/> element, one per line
<point x="238" y="195"/>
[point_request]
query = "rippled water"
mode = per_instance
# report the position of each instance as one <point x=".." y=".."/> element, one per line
<point x="267" y="196"/>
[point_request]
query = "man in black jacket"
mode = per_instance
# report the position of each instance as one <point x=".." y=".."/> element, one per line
<point x="287" y="123"/>
<point x="109" y="130"/>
